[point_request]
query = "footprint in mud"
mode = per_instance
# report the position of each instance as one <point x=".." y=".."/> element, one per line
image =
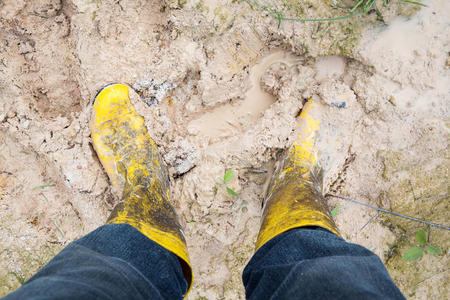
<point x="229" y="118"/>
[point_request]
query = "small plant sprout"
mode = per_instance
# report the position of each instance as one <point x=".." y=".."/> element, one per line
<point x="222" y="181"/>
<point x="335" y="211"/>
<point x="414" y="253"/>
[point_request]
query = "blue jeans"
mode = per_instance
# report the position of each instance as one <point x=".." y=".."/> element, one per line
<point x="117" y="262"/>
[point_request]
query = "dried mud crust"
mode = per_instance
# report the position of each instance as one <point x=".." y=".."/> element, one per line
<point x="384" y="137"/>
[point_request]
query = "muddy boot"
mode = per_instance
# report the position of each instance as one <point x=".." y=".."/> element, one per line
<point x="294" y="197"/>
<point x="134" y="166"/>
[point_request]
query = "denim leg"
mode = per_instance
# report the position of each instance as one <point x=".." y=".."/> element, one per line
<point x="114" y="261"/>
<point x="313" y="263"/>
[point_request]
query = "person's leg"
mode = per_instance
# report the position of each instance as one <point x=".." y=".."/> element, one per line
<point x="143" y="250"/>
<point x="299" y="251"/>
<point x="137" y="172"/>
<point x="115" y="261"/>
<point x="313" y="263"/>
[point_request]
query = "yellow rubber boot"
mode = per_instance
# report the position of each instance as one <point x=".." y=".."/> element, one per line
<point x="131" y="159"/>
<point x="294" y="198"/>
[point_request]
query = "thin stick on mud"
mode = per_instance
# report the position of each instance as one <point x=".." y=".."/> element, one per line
<point x="370" y="220"/>
<point x="390" y="212"/>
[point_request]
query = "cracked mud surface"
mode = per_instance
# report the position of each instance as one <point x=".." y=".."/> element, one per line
<point x="220" y="87"/>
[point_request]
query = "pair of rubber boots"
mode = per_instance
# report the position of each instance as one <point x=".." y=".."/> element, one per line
<point x="134" y="166"/>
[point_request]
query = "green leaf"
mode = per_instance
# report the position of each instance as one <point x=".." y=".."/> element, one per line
<point x="413" y="253"/>
<point x="219" y="180"/>
<point x="228" y="175"/>
<point x="434" y="250"/>
<point x="357" y="5"/>
<point x="415" y="3"/>
<point x="231" y="192"/>
<point x="335" y="211"/>
<point x="421" y="237"/>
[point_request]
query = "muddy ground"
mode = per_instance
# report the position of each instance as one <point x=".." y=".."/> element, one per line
<point x="220" y="84"/>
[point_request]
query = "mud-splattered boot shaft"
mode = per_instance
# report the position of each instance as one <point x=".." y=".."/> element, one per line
<point x="134" y="166"/>
<point x="294" y="197"/>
